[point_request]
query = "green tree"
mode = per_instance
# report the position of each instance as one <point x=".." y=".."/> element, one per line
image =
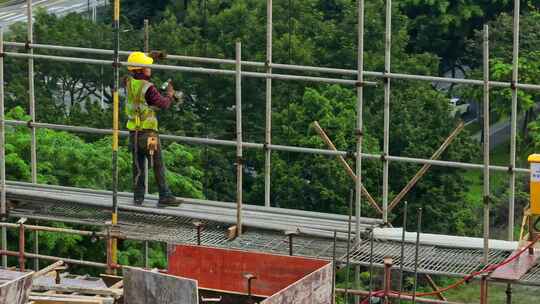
<point x="501" y="68"/>
<point x="67" y="160"/>
<point x="441" y="27"/>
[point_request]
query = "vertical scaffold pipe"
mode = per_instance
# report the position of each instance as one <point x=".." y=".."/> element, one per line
<point x="513" y="124"/>
<point x="349" y="223"/>
<point x="146" y="36"/>
<point x="239" y="152"/>
<point x="486" y="144"/>
<point x="416" y="253"/>
<point x="3" y="207"/>
<point x="268" y="113"/>
<point x="146" y="50"/>
<point x="146" y="255"/>
<point x="334" y="265"/>
<point x="402" y="253"/>
<point x="116" y="105"/>
<point x="359" y="129"/>
<point x="371" y="241"/>
<point x="31" y="94"/>
<point x="484" y="290"/>
<point x="36" y="250"/>
<point x="386" y="135"/>
<point x="32" y="104"/>
<point x="22" y="249"/>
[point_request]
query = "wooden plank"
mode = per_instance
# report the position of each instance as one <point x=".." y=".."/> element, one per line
<point x="16" y="291"/>
<point x="435" y="287"/>
<point x="119" y="284"/>
<point x="143" y="286"/>
<point x="55" y="300"/>
<point x="514" y="270"/>
<point x="93" y="291"/>
<point x="110" y="279"/>
<point x="231" y="233"/>
<point x="65" y="301"/>
<point x="69" y="297"/>
<point x="48" y="269"/>
<point x="70" y="280"/>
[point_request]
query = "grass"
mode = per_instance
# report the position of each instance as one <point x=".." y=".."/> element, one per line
<point x="466" y="293"/>
<point x="500" y="155"/>
<point x="473" y="178"/>
<point x="474" y="127"/>
<point x="498" y="180"/>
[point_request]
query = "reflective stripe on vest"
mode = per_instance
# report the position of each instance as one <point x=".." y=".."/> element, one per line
<point x="140" y="115"/>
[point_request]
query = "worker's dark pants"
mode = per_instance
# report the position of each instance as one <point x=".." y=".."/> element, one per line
<point x="139" y="151"/>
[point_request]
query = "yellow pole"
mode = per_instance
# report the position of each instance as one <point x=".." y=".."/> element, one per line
<point x="116" y="84"/>
<point x="534" y="160"/>
<point x="534" y="210"/>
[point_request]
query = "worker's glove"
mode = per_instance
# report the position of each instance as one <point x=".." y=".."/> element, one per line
<point x="171" y="92"/>
<point x="167" y="88"/>
<point x="180" y="97"/>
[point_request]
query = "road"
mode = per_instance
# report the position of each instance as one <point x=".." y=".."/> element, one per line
<point x="15" y="11"/>
<point x="499" y="132"/>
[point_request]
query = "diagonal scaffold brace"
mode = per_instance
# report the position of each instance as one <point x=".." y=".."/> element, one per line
<point x="346" y="165"/>
<point x="426" y="167"/>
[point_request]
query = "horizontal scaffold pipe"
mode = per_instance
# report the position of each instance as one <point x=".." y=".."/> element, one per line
<point x="53" y="229"/>
<point x="53" y="258"/>
<point x="192" y="69"/>
<point x="345" y="72"/>
<point x="231" y="143"/>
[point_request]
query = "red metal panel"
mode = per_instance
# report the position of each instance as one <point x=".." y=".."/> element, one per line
<point x="224" y="269"/>
<point x="517" y="268"/>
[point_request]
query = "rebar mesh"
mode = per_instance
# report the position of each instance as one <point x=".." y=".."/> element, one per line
<point x="532" y="276"/>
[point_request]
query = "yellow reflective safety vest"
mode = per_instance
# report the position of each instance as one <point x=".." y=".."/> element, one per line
<point x="140" y="115"/>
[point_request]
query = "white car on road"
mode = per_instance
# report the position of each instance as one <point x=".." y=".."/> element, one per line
<point x="458" y="107"/>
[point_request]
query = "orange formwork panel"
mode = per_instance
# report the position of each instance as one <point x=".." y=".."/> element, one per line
<point x="226" y="270"/>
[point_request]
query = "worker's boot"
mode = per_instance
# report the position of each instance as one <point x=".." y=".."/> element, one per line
<point x="138" y="201"/>
<point x="168" y="201"/>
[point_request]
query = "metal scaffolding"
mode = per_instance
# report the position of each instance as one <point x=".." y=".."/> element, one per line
<point x="239" y="69"/>
<point x="267" y="231"/>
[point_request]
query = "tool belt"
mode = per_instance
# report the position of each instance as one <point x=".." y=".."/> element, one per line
<point x="152" y="143"/>
<point x="148" y="141"/>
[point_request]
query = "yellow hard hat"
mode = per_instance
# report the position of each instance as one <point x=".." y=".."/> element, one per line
<point x="139" y="58"/>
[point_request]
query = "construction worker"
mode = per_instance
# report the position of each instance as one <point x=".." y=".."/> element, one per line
<point x="143" y="101"/>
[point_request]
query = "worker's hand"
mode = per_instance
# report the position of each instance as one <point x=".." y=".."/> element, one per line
<point x="170" y="90"/>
